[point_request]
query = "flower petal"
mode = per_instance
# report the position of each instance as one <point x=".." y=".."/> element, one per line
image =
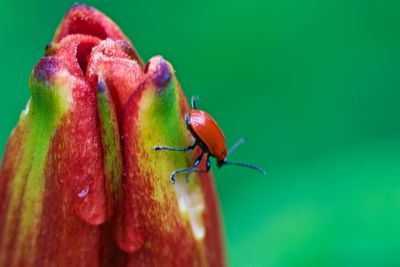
<point x="84" y="19"/>
<point x="159" y="218"/>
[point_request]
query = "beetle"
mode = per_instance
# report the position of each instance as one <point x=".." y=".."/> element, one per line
<point x="210" y="138"/>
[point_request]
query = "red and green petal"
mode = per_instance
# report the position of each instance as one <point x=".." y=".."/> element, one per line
<point x="49" y="111"/>
<point x="173" y="215"/>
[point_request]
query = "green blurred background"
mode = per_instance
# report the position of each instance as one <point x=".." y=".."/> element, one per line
<point x="314" y="86"/>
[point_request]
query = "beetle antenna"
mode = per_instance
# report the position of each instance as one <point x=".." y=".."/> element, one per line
<point x="260" y="170"/>
<point x="236" y="144"/>
<point x="194" y="100"/>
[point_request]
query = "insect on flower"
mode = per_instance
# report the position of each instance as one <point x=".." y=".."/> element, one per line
<point x="210" y="138"/>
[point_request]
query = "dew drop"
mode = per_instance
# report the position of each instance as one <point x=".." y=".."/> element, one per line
<point x="84" y="192"/>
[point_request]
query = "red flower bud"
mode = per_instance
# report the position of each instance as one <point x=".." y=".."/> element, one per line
<point x="79" y="182"/>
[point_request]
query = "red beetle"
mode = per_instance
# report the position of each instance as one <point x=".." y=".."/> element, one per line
<point x="210" y="138"/>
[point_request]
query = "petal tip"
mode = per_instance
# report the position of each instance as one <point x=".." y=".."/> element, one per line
<point x="159" y="70"/>
<point x="80" y="5"/>
<point x="101" y="87"/>
<point x="45" y="69"/>
<point x="84" y="19"/>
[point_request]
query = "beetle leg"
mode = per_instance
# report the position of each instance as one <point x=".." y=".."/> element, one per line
<point x="208" y="167"/>
<point x="195" y="164"/>
<point x="188" y="148"/>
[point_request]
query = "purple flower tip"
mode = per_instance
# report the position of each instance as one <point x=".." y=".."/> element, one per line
<point x="159" y="70"/>
<point x="45" y="69"/>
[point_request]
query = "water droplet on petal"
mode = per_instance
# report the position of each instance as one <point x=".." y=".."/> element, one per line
<point x="84" y="192"/>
